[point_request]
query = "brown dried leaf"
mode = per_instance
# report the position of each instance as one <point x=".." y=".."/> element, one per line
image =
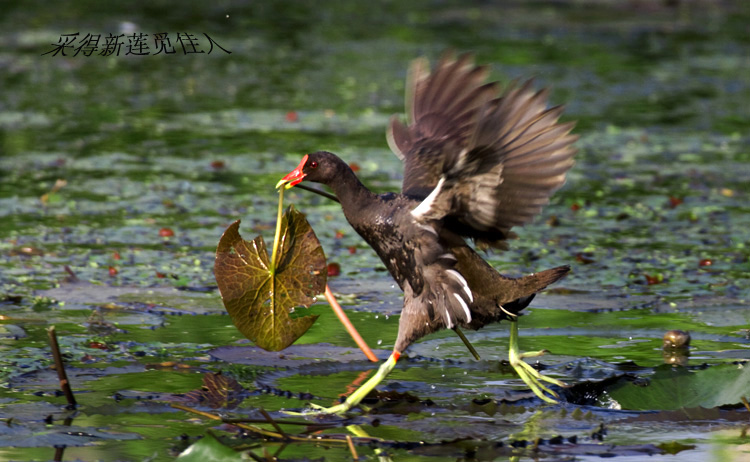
<point x="218" y="391"/>
<point x="260" y="297"/>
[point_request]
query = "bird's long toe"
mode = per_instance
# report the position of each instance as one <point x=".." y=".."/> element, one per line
<point x="530" y="376"/>
<point x="337" y="409"/>
<point x="533" y="379"/>
<point x="316" y="409"/>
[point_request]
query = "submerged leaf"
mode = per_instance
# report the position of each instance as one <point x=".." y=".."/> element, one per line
<point x="260" y="296"/>
<point x="217" y="391"/>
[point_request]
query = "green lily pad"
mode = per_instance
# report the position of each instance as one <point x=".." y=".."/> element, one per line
<point x="209" y="449"/>
<point x="261" y="296"/>
<point x="679" y="388"/>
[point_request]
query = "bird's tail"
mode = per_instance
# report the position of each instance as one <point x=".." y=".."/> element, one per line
<point x="538" y="281"/>
<point x="532" y="284"/>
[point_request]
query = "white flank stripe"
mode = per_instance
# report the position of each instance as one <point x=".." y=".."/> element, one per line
<point x="466" y="308"/>
<point x="448" y="256"/>
<point x="463" y="283"/>
<point x="450" y="323"/>
<point x="461" y="159"/>
<point x="424" y="208"/>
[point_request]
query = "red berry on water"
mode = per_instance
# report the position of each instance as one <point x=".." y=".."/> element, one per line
<point x="354" y="166"/>
<point x="98" y="345"/>
<point x="292" y="116"/>
<point x="705" y="262"/>
<point x="674" y="201"/>
<point x="160" y="275"/>
<point x="583" y="258"/>
<point x="651" y="280"/>
<point x="334" y="269"/>
<point x="113" y="271"/>
<point x="575" y="207"/>
<point x="166" y="232"/>
<point x="339" y="234"/>
<point x="352" y="250"/>
<point x="116" y="255"/>
<point x="218" y="164"/>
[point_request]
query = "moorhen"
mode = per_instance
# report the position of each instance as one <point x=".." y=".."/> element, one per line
<point x="476" y="163"/>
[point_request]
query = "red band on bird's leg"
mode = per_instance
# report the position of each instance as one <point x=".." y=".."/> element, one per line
<point x="396" y="355"/>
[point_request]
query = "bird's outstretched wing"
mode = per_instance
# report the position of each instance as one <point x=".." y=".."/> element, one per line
<point x="482" y="162"/>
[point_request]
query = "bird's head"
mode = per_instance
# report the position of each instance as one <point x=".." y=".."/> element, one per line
<point x="319" y="167"/>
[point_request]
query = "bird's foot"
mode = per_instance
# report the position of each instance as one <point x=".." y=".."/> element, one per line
<point x="337" y="409"/>
<point x="315" y="409"/>
<point x="531" y="377"/>
<point x="355" y="398"/>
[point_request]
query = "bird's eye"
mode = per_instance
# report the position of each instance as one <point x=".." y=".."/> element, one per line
<point x="313" y="164"/>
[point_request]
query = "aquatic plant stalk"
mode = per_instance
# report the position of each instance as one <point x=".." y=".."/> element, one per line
<point x="60" y="366"/>
<point x="349" y="326"/>
<point x="277" y="236"/>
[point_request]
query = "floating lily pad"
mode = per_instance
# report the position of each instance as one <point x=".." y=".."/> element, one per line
<point x="294" y="356"/>
<point x="209" y="448"/>
<point x="673" y="388"/>
<point x="38" y="435"/>
<point x="259" y="294"/>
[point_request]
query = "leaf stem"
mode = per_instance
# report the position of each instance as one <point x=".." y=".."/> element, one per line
<point x="349" y="326"/>
<point x="277" y="236"/>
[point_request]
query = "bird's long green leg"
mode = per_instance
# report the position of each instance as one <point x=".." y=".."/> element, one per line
<point x="528" y="374"/>
<point x="359" y="394"/>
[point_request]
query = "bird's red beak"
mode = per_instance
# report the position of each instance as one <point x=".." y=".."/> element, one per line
<point x="294" y="177"/>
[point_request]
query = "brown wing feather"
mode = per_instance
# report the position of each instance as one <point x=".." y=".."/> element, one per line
<point x="442" y="109"/>
<point x="501" y="157"/>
